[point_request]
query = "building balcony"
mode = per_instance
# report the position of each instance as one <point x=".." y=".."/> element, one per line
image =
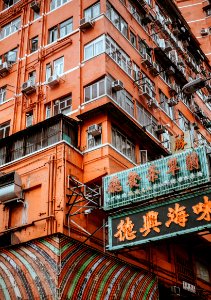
<point x="37" y="137"/>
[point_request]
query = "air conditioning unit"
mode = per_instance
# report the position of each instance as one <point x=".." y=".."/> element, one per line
<point x="10" y="187"/>
<point x="147" y="91"/>
<point x="175" y="290"/>
<point x="94" y="130"/>
<point x="159" y="129"/>
<point x="154" y="70"/>
<point x="152" y="103"/>
<point x="86" y="24"/>
<point x="4" y="67"/>
<point x="204" y="31"/>
<point x="53" y="80"/>
<point x="35" y="5"/>
<point x="28" y="87"/>
<point x="147" y="60"/>
<point x="173" y="89"/>
<point x="117" y="85"/>
<point x="172" y="102"/>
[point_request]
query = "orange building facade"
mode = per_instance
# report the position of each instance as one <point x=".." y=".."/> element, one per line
<point x="88" y="89"/>
<point x="198" y="17"/>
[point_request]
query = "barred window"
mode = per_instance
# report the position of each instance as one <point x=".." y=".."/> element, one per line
<point x="123" y="144"/>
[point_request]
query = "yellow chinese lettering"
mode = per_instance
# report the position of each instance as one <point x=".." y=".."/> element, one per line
<point x="150" y="222"/>
<point x="204" y="208"/>
<point x="125" y="230"/>
<point x="177" y="215"/>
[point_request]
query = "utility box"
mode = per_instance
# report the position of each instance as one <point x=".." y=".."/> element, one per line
<point x="10" y="187"/>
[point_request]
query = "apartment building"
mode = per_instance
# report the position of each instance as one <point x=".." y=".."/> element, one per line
<point x="92" y="93"/>
<point x="198" y="17"/>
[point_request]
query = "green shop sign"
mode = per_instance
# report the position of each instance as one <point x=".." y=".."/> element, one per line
<point x="157" y="178"/>
<point x="183" y="215"/>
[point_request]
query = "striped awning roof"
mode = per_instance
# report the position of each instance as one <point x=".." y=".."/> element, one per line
<point x="57" y="267"/>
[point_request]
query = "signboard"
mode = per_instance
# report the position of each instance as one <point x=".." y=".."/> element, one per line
<point x="157" y="178"/>
<point x="183" y="215"/>
<point x="189" y="287"/>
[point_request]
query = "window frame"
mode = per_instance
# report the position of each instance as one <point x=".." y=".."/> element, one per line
<point x="5" y="128"/>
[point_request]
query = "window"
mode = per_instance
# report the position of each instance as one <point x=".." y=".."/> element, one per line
<point x="122" y="98"/>
<point x="11" y="27"/>
<point x="10" y="56"/>
<point x="92" y="11"/>
<point x="133" y="39"/>
<point x="94" y="140"/>
<point x="143" y="47"/>
<point x="58" y="66"/>
<point x="136" y="73"/>
<point x="32" y="76"/>
<point x="183" y="122"/>
<point x="57" y="69"/>
<point x="3" y="94"/>
<point x="137" y="15"/>
<point x="53" y="34"/>
<point x="94" y="48"/>
<point x="202" y="271"/>
<point x="149" y="83"/>
<point x="118" y="55"/>
<point x="116" y="19"/>
<point x="9" y="3"/>
<point x="164" y="105"/>
<point x="29" y="118"/>
<point x="207" y="10"/>
<point x="146" y="120"/>
<point x="4" y="129"/>
<point x="60" y="30"/>
<point x="165" y="140"/>
<point x="34" y="44"/>
<point x="94" y="90"/>
<point x="63" y="105"/>
<point x="123" y="144"/>
<point x="48" y="111"/>
<point x="36" y="15"/>
<point x="56" y="3"/>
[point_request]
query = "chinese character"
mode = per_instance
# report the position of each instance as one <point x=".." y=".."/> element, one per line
<point x="172" y="165"/>
<point x="204" y="208"/>
<point x="150" y="222"/>
<point x="180" y="143"/>
<point x="177" y="215"/>
<point x="125" y="230"/>
<point x="133" y="180"/>
<point x="152" y="173"/>
<point x="192" y="161"/>
<point x="114" y="185"/>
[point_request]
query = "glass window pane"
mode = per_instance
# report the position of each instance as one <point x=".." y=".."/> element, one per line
<point x="88" y="52"/>
<point x="87" y="93"/>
